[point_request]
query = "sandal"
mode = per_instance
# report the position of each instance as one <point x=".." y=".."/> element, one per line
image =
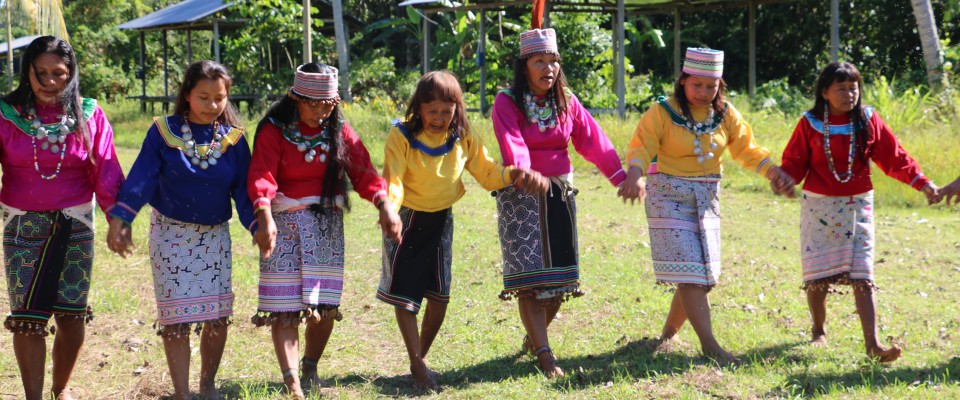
<point x="551" y="370"/>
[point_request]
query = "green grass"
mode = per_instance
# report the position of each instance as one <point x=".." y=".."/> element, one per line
<point x="759" y="312"/>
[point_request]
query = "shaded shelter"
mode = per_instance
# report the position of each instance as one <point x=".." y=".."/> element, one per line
<point x="15" y="45"/>
<point x="620" y="9"/>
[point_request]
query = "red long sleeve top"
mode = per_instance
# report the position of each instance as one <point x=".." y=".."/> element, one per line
<point x="805" y="160"/>
<point x="278" y="166"/>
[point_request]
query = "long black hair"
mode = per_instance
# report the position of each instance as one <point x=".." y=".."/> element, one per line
<point x="843" y="72"/>
<point x="70" y="97"/>
<point x="284" y="111"/>
<point x="557" y="93"/>
<point x="211" y="70"/>
<point x="718" y="104"/>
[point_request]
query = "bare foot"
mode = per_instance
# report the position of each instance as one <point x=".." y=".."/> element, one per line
<point x="293" y="387"/>
<point x="548" y="364"/>
<point x="885" y="355"/>
<point x="819" y="340"/>
<point x="312" y="381"/>
<point x="210" y="392"/>
<point x="722" y="357"/>
<point x="423" y="376"/>
<point x="63" y="395"/>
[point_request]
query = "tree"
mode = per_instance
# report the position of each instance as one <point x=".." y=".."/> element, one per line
<point x="45" y="17"/>
<point x="930" y="41"/>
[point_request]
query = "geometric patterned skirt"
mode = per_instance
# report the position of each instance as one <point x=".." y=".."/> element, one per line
<point x="191" y="266"/>
<point x="48" y="258"/>
<point x="683" y="217"/>
<point x="538" y="242"/>
<point x="303" y="278"/>
<point x="836" y="240"/>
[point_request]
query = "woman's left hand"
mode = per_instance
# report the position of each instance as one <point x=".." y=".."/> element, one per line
<point x="390" y="222"/>
<point x="932" y="192"/>
<point x="781" y="182"/>
<point x="529" y="181"/>
<point x="120" y="237"/>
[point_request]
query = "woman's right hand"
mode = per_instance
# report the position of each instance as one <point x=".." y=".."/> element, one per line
<point x="633" y="187"/>
<point x="119" y="237"/>
<point x="266" y="235"/>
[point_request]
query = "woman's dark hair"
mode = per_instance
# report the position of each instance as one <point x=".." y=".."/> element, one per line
<point x="719" y="102"/>
<point x="284" y="111"/>
<point x="70" y="97"/>
<point x="843" y="72"/>
<point x="211" y="70"/>
<point x="437" y="85"/>
<point x="558" y="93"/>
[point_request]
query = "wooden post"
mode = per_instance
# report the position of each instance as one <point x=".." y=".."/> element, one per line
<point x="216" y="40"/>
<point x="307" y="34"/>
<point x="482" y="60"/>
<point x="425" y="63"/>
<point x="834" y="30"/>
<point x="676" y="42"/>
<point x="752" y="38"/>
<point x="620" y="54"/>
<point x="343" y="52"/>
<point x="143" y="74"/>
<point x="9" y="47"/>
<point x="189" y="47"/>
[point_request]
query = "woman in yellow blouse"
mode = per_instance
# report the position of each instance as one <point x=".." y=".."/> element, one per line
<point x="426" y="155"/>
<point x="678" y="143"/>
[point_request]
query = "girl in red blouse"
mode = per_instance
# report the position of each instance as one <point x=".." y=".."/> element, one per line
<point x="303" y="154"/>
<point x="831" y="150"/>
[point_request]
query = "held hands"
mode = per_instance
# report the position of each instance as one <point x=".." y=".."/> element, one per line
<point x="781" y="182"/>
<point x="933" y="193"/>
<point x="119" y="237"/>
<point x="951" y="192"/>
<point x="529" y="181"/>
<point x="390" y="222"/>
<point x="633" y="187"/>
<point x="266" y="236"/>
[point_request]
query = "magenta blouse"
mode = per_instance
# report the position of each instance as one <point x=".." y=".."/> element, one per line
<point x="523" y="145"/>
<point x="79" y="178"/>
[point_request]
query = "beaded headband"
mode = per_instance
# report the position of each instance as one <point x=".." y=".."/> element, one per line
<point x="315" y="85"/>
<point x="538" y="41"/>
<point x="704" y="62"/>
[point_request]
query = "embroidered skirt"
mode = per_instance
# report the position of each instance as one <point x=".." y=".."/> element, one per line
<point x="304" y="275"/>
<point x="836" y="239"/>
<point x="419" y="265"/>
<point x="683" y="214"/>
<point x="48" y="258"/>
<point x="191" y="266"/>
<point x="538" y="240"/>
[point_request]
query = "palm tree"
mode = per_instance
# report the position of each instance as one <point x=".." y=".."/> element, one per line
<point x="45" y="17"/>
<point x="930" y="41"/>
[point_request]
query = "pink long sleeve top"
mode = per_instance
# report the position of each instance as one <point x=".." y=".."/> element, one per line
<point x="522" y="145"/>
<point x="79" y="179"/>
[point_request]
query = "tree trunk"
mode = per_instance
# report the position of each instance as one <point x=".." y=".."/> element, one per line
<point x="930" y="41"/>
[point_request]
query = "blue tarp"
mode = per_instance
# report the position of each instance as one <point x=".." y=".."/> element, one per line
<point x="17" y="43"/>
<point x="181" y="13"/>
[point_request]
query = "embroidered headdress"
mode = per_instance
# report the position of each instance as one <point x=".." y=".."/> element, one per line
<point x="704" y="62"/>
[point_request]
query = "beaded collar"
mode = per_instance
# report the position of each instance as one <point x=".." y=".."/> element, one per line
<point x="703" y="151"/>
<point x="202" y="152"/>
<point x="51" y="136"/>
<point x="823" y="126"/>
<point x="306" y="145"/>
<point x="430" y="151"/>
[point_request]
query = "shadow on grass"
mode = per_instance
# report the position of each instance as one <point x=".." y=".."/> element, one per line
<point x="231" y="389"/>
<point x="870" y="375"/>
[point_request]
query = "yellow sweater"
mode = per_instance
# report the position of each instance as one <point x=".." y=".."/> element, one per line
<point x="658" y="136"/>
<point x="427" y="183"/>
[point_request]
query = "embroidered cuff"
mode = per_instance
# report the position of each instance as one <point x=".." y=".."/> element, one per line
<point x="262" y="203"/>
<point x="636" y="162"/>
<point x="764" y="166"/>
<point x="378" y="198"/>
<point x="505" y="174"/>
<point x="123" y="212"/>
<point x="618" y="177"/>
<point x="920" y="181"/>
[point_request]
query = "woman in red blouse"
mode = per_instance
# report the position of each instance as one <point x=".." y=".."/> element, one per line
<point x="831" y="150"/>
<point x="303" y="154"/>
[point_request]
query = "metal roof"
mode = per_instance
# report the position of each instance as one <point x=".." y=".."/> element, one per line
<point x="185" y="12"/>
<point x="631" y="6"/>
<point x="19" y="42"/>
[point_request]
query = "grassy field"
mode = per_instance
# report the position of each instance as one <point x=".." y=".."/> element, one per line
<point x="602" y="339"/>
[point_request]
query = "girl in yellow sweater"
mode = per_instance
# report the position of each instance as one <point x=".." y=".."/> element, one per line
<point x="426" y="155"/>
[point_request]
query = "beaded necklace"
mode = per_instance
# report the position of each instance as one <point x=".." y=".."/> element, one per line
<point x="213" y="153"/>
<point x="847" y="176"/>
<point x="306" y="145"/>
<point x="50" y="136"/>
<point x="702" y="147"/>
<point x="541" y="112"/>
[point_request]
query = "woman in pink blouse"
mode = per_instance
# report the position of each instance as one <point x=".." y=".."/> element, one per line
<point x="534" y="121"/>
<point x="56" y="151"/>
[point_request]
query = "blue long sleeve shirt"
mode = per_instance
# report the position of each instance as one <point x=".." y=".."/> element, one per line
<point x="164" y="177"/>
